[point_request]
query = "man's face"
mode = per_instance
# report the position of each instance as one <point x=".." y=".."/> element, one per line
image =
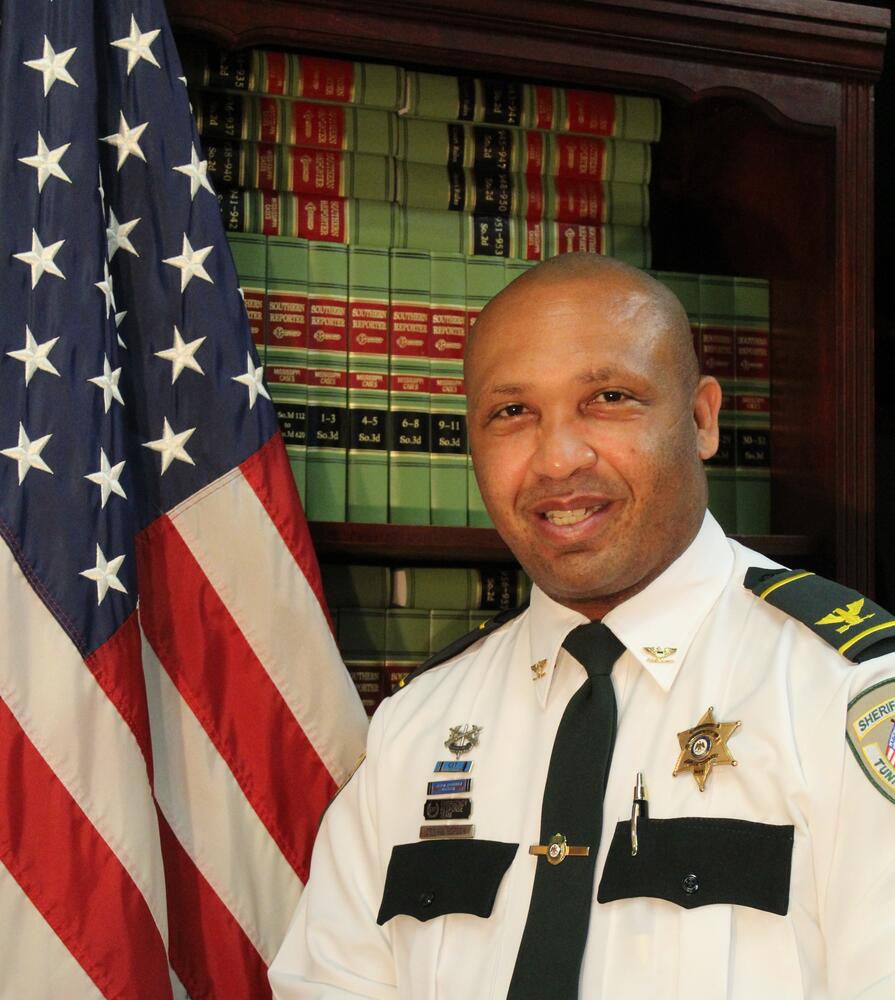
<point x="586" y="444"/>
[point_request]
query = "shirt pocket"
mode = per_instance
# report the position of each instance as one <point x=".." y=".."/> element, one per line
<point x="695" y="861"/>
<point x="432" y="878"/>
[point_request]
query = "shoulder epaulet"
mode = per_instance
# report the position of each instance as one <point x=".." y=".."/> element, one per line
<point x="851" y="623"/>
<point x="464" y="642"/>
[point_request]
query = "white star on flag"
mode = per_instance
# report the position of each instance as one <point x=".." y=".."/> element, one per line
<point x="191" y="263"/>
<point x="252" y="380"/>
<point x="108" y="382"/>
<point x="197" y="171"/>
<point x="182" y="355"/>
<point x="46" y="162"/>
<point x="40" y="258"/>
<point x="118" y="234"/>
<point x="171" y="446"/>
<point x="104" y="575"/>
<point x="105" y="286"/>
<point x="127" y="140"/>
<point x="27" y="454"/>
<point x="137" y="45"/>
<point x="107" y="478"/>
<point x="35" y="356"/>
<point x="52" y="65"/>
<point x="119" y="319"/>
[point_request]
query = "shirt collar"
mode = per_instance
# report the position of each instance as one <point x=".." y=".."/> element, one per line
<point x="657" y="625"/>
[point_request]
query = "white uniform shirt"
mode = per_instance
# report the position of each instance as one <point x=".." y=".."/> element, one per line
<point x="753" y="664"/>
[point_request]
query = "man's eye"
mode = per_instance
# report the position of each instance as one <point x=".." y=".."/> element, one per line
<point x="510" y="410"/>
<point x="611" y="396"/>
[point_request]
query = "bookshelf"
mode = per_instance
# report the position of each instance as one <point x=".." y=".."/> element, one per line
<point x="765" y="168"/>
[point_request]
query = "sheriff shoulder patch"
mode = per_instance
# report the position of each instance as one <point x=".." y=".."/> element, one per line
<point x="870" y="731"/>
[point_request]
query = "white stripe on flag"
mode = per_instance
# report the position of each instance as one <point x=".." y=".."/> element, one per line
<point x="80" y="734"/>
<point x="266" y="592"/>
<point x="34" y="963"/>
<point x="212" y="819"/>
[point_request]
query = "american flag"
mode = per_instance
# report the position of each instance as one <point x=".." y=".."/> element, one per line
<point x="174" y="714"/>
<point x="890" y="746"/>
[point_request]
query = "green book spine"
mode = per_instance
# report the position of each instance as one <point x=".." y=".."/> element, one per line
<point x="514" y="267"/>
<point x="327" y="381"/>
<point x="361" y="634"/>
<point x="287" y="347"/>
<point x="686" y="288"/>
<point x="250" y="257"/>
<point x="407" y="643"/>
<point x="408" y="439"/>
<point x="581" y="157"/>
<point x="446" y="625"/>
<point x="630" y="244"/>
<point x="753" y="406"/>
<point x="478" y="619"/>
<point x="717" y="325"/>
<point x="351" y="585"/>
<point x="329" y="173"/>
<point x="447" y="341"/>
<point x="294" y="122"/>
<point x="490" y="588"/>
<point x="509" y="102"/>
<point x="368" y="345"/>
<point x="267" y="71"/>
<point x="485" y="277"/>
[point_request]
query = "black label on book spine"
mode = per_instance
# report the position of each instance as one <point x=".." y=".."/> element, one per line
<point x="457" y="182"/>
<point x="456" y="144"/>
<point x="327" y="426"/>
<point x="409" y="431"/>
<point x="466" y="98"/>
<point x="503" y="102"/>
<point x="753" y="448"/>
<point x="366" y="429"/>
<point x="491" y="235"/>
<point x="448" y="434"/>
<point x="724" y="455"/>
<point x="220" y="116"/>
<point x="232" y="209"/>
<point x="498" y="589"/>
<point x="493" y="193"/>
<point x="230" y="69"/>
<point x="222" y="157"/>
<point x="493" y="149"/>
<point x="293" y="422"/>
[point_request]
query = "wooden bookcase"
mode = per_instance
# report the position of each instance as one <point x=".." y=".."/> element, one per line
<point x="765" y="168"/>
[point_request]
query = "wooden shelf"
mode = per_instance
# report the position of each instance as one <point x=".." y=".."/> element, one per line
<point x="453" y="546"/>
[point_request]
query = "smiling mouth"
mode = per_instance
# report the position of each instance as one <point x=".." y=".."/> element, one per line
<point x="563" y="518"/>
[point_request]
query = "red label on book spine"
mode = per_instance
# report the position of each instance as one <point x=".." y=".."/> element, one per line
<point x="534" y="153"/>
<point x="254" y="301"/>
<point x="270" y="213"/>
<point x="578" y="156"/>
<point x="317" y="171"/>
<point x="570" y="238"/>
<point x="448" y="333"/>
<point x="748" y="403"/>
<point x="327" y="378"/>
<point x="370" y="381"/>
<point x="322" y="219"/>
<point x="533" y="209"/>
<point x="318" y="125"/>
<point x="717" y="351"/>
<point x="443" y="386"/>
<point x="288" y="319"/>
<point x="590" y="112"/>
<point x="265" y="167"/>
<point x="269" y="120"/>
<point x="285" y="375"/>
<point x="276" y="72"/>
<point x="543" y="107"/>
<point x="578" y="201"/>
<point x="368" y="327"/>
<point x="409" y="330"/>
<point x="534" y="240"/>
<point x="753" y="354"/>
<point x="408" y="383"/>
<point x="327" y="322"/>
<point x="327" y="79"/>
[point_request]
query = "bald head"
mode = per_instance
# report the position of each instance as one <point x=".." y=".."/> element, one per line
<point x="608" y="285"/>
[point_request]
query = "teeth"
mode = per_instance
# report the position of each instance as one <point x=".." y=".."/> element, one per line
<point x="564" y="517"/>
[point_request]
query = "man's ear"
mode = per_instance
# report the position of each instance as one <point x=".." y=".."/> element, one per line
<point x="706" y="404"/>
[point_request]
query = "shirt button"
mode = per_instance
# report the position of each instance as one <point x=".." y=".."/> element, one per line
<point x="690" y="884"/>
<point x="427" y="899"/>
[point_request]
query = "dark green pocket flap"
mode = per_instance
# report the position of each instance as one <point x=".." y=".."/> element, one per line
<point x="435" y="877"/>
<point x="695" y="862"/>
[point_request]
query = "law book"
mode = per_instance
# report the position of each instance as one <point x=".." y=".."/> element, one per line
<point x="503" y="149"/>
<point x="490" y="588"/>
<point x="288" y="74"/>
<point x="327" y="378"/>
<point x="406" y="641"/>
<point x="355" y="585"/>
<point x="331" y="173"/>
<point x="535" y="198"/>
<point x="286" y="356"/>
<point x="368" y="374"/>
<point x="249" y="252"/>
<point x="446" y="625"/>
<point x="376" y="223"/>
<point x="222" y="115"/>
<point x="485" y="277"/>
<point x="686" y="288"/>
<point x="361" y="639"/>
<point x="408" y="438"/>
<point x="447" y="340"/>
<point x="753" y="406"/>
<point x="528" y="105"/>
<point x="717" y="345"/>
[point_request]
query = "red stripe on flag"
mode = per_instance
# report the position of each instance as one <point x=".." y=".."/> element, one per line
<point x="209" y="950"/>
<point x="118" y="669"/>
<point x="270" y="476"/>
<point x="230" y="693"/>
<point x="72" y="876"/>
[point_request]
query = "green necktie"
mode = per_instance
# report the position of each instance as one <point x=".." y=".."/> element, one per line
<point x="549" y="961"/>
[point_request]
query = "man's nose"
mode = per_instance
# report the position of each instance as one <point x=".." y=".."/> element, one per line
<point x="563" y="448"/>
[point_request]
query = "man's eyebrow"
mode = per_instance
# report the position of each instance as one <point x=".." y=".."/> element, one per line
<point x="589" y="377"/>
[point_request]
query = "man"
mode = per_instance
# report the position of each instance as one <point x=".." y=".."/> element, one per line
<point x="534" y="874"/>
